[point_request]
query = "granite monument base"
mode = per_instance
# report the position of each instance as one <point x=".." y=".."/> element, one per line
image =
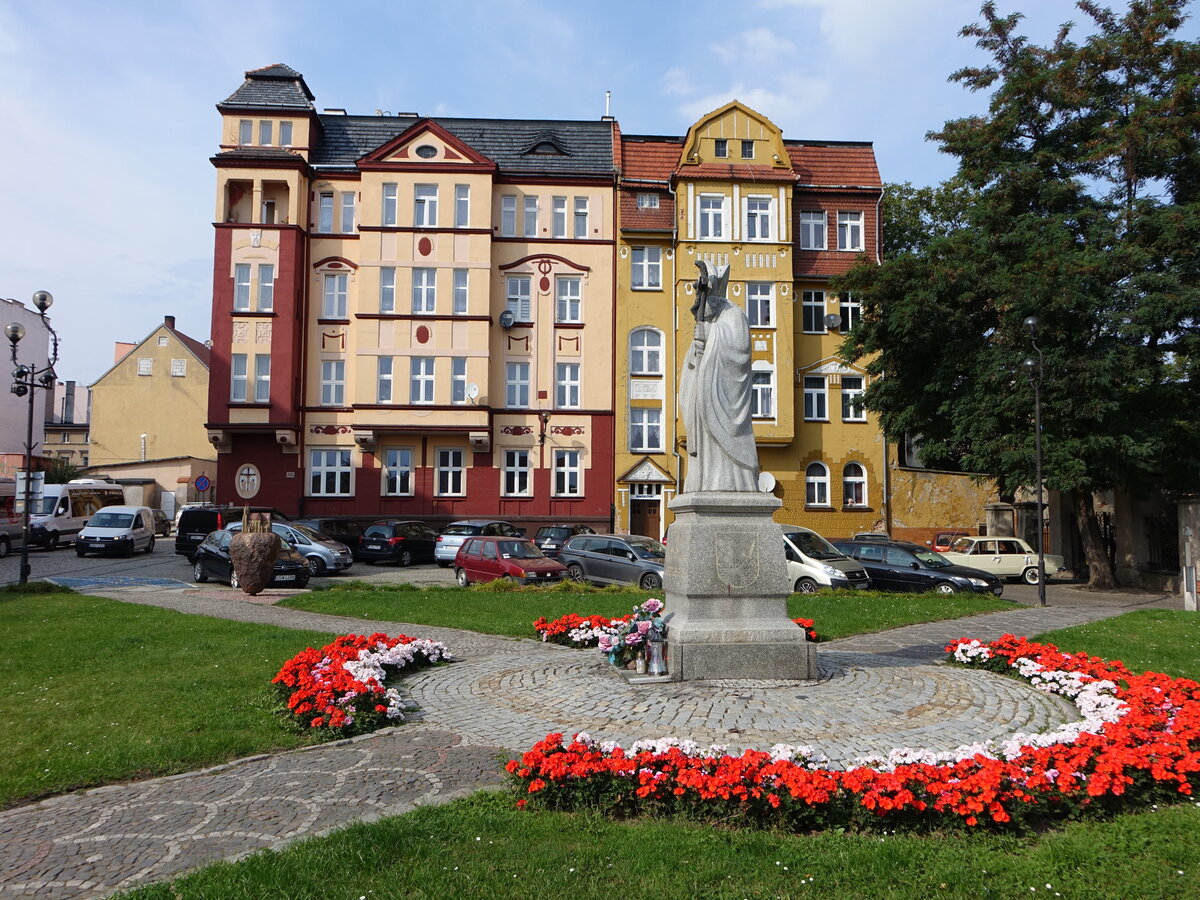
<point x="727" y="588"/>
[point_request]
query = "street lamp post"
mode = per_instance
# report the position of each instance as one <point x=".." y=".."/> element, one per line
<point x="26" y="380"/>
<point x="1033" y="369"/>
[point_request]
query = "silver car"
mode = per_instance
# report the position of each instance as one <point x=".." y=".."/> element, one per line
<point x="615" y="559"/>
<point x="324" y="555"/>
<point x="453" y="535"/>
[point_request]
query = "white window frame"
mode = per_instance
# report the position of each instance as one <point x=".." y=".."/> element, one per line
<point x="816" y="484"/>
<point x="514" y="475"/>
<point x="850" y="309"/>
<point x="580" y="218"/>
<point x="516" y="385"/>
<point x="266" y="133"/>
<point x="762" y="394"/>
<point x="384" y="380"/>
<point x="245" y="133"/>
<point x="518" y="297"/>
<point x="711" y="216"/>
<point x="325" y="212"/>
<point x="387" y="289"/>
<point x="333" y="382"/>
<point x="424" y="291"/>
<point x="760" y="218"/>
<point x="854" y="482"/>
<point x="179" y="368"/>
<point x="420" y="381"/>
<point x="814" y="225"/>
<point x="285" y="134"/>
<point x="852" y="394"/>
<point x="816" y="398"/>
<point x="812" y="312"/>
<point x="462" y="206"/>
<point x="558" y="217"/>
<point x="760" y="304"/>
<point x="645" y="268"/>
<point x="241" y="287"/>
<point x="398" y="476"/>
<point x="508" y="215"/>
<point x="390" y="204"/>
<point x="529" y="216"/>
<point x="645" y="423"/>
<point x="262" y="378"/>
<point x="850" y="230"/>
<point x="458" y="379"/>
<point x="145" y="365"/>
<point x="266" y="287"/>
<point x="647" y="201"/>
<point x="645" y="351"/>
<point x="568" y="298"/>
<point x="425" y="203"/>
<point x="450" y="474"/>
<point x="566" y="386"/>
<point x="346" y="217"/>
<point x="460" y="298"/>
<point x="568" y="474"/>
<point x="238" y="379"/>
<point x="330" y="473"/>
<point x="334" y="301"/>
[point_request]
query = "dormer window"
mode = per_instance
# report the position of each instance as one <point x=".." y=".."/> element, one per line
<point x="647" y="201"/>
<point x="426" y="151"/>
<point x="747" y="149"/>
<point x="721" y="148"/>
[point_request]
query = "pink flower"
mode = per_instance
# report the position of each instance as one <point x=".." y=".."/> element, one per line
<point x="652" y="606"/>
<point x="633" y="637"/>
<point x="643" y="627"/>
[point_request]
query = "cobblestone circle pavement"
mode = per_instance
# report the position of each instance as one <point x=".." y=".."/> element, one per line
<point x="874" y="692"/>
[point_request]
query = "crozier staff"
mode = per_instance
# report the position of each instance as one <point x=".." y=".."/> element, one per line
<point x="714" y="389"/>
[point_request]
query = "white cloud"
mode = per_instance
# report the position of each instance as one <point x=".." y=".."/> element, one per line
<point x="676" y="82"/>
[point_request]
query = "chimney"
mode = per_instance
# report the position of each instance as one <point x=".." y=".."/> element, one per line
<point x="169" y="321"/>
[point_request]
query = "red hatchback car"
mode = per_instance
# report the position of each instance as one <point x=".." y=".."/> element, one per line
<point x="516" y="559"/>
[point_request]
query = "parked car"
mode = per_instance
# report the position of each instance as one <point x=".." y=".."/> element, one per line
<point x="615" y="559"/>
<point x="197" y="522"/>
<point x="403" y="543"/>
<point x="943" y="539"/>
<point x="1006" y="557"/>
<point x="324" y="555"/>
<point x="814" y="563"/>
<point x="212" y="561"/>
<point x="117" y="529"/>
<point x="871" y="536"/>
<point x="550" y="538"/>
<point x="455" y="533"/>
<point x="345" y="531"/>
<point x="481" y="559"/>
<point x="901" y="566"/>
<point x="162" y="525"/>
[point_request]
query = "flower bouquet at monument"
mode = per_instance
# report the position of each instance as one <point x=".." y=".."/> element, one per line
<point x="630" y="639"/>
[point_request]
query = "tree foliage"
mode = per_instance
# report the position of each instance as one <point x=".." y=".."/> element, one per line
<point x="1083" y="187"/>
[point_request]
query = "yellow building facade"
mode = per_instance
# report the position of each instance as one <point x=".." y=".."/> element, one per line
<point x="785" y="217"/>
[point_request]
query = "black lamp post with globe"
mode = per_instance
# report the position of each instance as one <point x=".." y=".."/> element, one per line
<point x="27" y="379"/>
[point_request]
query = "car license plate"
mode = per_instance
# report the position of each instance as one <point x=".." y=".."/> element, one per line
<point x="96" y="546"/>
<point x="862" y="585"/>
<point x="374" y="546"/>
<point x="285" y="577"/>
<point x="998" y="590"/>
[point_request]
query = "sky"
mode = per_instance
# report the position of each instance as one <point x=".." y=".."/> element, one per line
<point x="110" y="121"/>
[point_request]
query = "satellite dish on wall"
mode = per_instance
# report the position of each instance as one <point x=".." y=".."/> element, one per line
<point x="506" y="319"/>
<point x="766" y="482"/>
<point x="472" y="390"/>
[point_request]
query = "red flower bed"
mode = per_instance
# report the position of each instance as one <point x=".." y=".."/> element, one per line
<point x="1139" y="740"/>
<point x="341" y="686"/>
<point x="807" y="625"/>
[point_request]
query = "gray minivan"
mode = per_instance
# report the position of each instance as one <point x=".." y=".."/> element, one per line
<point x="615" y="559"/>
<point x="325" y="555"/>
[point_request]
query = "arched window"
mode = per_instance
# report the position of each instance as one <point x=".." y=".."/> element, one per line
<point x="645" y="352"/>
<point x="854" y="485"/>
<point x="816" y="485"/>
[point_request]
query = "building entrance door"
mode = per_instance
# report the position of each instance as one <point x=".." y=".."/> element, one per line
<point x="644" y="518"/>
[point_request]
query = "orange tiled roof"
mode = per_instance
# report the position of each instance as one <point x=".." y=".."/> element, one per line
<point x="650" y="158"/>
<point x="822" y="264"/>
<point x="835" y="164"/>
<point x="737" y="172"/>
<point x="634" y="219"/>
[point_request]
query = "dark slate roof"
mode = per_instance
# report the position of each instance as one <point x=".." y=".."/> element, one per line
<point x="271" y="87"/>
<point x="275" y="154"/>
<point x="586" y="147"/>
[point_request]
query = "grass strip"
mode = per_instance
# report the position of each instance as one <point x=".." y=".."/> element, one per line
<point x="97" y="691"/>
<point x="1147" y="640"/>
<point x="511" y="611"/>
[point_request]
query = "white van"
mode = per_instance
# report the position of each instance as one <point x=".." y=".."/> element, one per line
<point x="117" y="529"/>
<point x="814" y="563"/>
<point x="64" y="508"/>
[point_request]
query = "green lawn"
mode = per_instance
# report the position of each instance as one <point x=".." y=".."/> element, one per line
<point x="96" y="691"/>
<point x="512" y="612"/>
<point x="1158" y="640"/>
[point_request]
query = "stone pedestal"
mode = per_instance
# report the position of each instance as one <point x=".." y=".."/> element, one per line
<point x="727" y="587"/>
